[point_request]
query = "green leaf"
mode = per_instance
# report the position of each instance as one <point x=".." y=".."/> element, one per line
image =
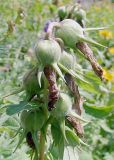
<point x="111" y="99"/>
<point x="16" y="108"/>
<point x="56" y="133"/>
<point x="61" y="149"/>
<point x="21" y="138"/>
<point x="72" y="138"/>
<point x="62" y="127"/>
<point x="35" y="140"/>
<point x="91" y="87"/>
<point x="98" y="112"/>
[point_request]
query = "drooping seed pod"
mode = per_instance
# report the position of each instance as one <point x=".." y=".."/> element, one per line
<point x="77" y="105"/>
<point x="30" y="140"/>
<point x="53" y="89"/>
<point x="76" y="125"/>
<point x="72" y="33"/>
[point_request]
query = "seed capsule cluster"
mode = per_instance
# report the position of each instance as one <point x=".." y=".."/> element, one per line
<point x="51" y="90"/>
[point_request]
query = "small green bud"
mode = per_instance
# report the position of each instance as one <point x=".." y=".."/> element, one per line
<point x="62" y="106"/>
<point x="68" y="60"/>
<point x="62" y="12"/>
<point x="79" y="15"/>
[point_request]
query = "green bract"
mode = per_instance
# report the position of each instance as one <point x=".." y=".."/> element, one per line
<point x="48" y="52"/>
<point x="72" y="33"/>
<point x="63" y="106"/>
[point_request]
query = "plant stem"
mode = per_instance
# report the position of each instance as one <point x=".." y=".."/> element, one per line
<point x="42" y="146"/>
<point x="42" y="138"/>
<point x="51" y="27"/>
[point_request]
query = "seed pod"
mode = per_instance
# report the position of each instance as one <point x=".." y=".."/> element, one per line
<point x="67" y="60"/>
<point x="30" y="83"/>
<point x="79" y="14"/>
<point x="62" y="106"/>
<point x="72" y="33"/>
<point x="62" y="12"/>
<point x="48" y="52"/>
<point x="32" y="121"/>
<point x="23" y="117"/>
<point x="68" y="63"/>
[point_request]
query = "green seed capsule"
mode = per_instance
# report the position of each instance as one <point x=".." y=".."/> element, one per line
<point x="30" y="82"/>
<point x="70" y="31"/>
<point x="23" y="117"/>
<point x="79" y="14"/>
<point x="63" y="106"/>
<point x="48" y="52"/>
<point x="32" y="121"/>
<point x="68" y="60"/>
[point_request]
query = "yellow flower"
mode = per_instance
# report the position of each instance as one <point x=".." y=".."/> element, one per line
<point x="111" y="50"/>
<point x="107" y="75"/>
<point x="106" y="34"/>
